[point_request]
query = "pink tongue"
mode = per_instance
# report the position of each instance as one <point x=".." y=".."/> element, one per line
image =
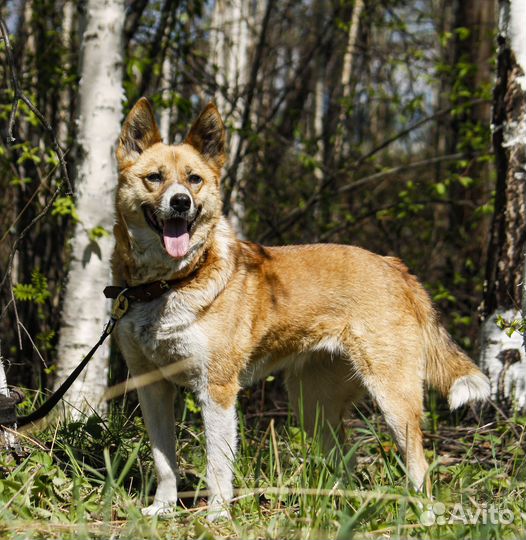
<point x="176" y="237"/>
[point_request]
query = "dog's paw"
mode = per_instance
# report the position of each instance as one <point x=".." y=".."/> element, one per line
<point x="218" y="509"/>
<point x="160" y="509"/>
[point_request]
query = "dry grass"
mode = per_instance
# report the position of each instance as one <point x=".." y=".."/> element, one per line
<point x="88" y="479"/>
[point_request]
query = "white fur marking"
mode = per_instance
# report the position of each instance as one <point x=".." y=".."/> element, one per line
<point x="330" y="344"/>
<point x="468" y="388"/>
<point x="221" y="445"/>
<point x="175" y="189"/>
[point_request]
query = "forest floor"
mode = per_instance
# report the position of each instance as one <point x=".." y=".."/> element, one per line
<point x="89" y="479"/>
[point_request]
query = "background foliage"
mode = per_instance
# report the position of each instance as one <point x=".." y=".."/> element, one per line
<point x="396" y="157"/>
<point x="402" y="165"/>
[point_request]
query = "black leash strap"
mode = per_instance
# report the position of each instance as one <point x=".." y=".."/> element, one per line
<point x="120" y="307"/>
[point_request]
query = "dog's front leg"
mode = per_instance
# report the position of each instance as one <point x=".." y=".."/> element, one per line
<point x="219" y="415"/>
<point x="157" y="405"/>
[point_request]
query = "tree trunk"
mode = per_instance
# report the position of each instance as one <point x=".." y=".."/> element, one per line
<point x="502" y="356"/>
<point x="230" y="58"/>
<point x="100" y="95"/>
<point x="347" y="69"/>
<point x="319" y="103"/>
<point x="64" y="123"/>
<point x="166" y="111"/>
<point x="7" y="438"/>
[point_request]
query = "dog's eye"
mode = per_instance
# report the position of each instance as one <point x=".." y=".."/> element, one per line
<point x="154" y="177"/>
<point x="195" y="179"/>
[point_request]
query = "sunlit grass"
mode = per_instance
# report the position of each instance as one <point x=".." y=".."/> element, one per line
<point x="89" y="479"/>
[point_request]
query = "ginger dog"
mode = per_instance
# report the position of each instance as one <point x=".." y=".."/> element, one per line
<point x="339" y="320"/>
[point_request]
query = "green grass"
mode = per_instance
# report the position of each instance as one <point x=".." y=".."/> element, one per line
<point x="89" y="479"/>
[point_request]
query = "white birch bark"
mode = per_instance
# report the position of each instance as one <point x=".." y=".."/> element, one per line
<point x="166" y="112"/>
<point x="318" y="117"/>
<point x="230" y="50"/>
<point x="348" y="58"/>
<point x="348" y="62"/>
<point x="100" y="110"/>
<point x="508" y="378"/>
<point x="7" y="439"/>
<point x="65" y="96"/>
<point x="319" y="97"/>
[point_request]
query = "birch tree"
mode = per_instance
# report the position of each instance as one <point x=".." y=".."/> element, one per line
<point x="167" y="111"/>
<point x="347" y="68"/>
<point x="229" y="57"/>
<point x="100" y="110"/>
<point x="64" y="127"/>
<point x="502" y="353"/>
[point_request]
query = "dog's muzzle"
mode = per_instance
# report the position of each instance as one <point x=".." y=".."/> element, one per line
<point x="174" y="228"/>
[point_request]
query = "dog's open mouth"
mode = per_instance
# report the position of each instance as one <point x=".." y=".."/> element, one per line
<point x="174" y="232"/>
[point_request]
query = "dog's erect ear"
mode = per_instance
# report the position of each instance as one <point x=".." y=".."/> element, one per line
<point x="138" y="133"/>
<point x="208" y="136"/>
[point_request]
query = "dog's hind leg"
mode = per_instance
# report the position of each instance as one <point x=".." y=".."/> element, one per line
<point x="320" y="390"/>
<point x="401" y="402"/>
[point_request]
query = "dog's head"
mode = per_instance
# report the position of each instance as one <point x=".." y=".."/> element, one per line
<point x="168" y="197"/>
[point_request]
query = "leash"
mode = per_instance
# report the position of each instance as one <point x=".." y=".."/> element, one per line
<point x="123" y="297"/>
<point x="118" y="310"/>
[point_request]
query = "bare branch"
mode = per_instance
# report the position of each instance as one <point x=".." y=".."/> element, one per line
<point x="19" y="95"/>
<point x="133" y="17"/>
<point x="248" y="102"/>
<point x="33" y="222"/>
<point x="298" y="213"/>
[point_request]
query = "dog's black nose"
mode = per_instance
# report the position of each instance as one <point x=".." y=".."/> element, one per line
<point x="180" y="202"/>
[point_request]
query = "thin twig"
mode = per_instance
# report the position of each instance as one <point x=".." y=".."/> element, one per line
<point x="21" y="324"/>
<point x="19" y="95"/>
<point x="21" y="213"/>
<point x="299" y="212"/>
<point x="17" y="319"/>
<point x="33" y="222"/>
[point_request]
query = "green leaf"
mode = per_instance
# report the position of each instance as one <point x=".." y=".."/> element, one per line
<point x="463" y="33"/>
<point x="97" y="232"/>
<point x="440" y="188"/>
<point x="20" y="181"/>
<point x="64" y="206"/>
<point x="37" y="291"/>
<point x="466" y="181"/>
<point x="191" y="405"/>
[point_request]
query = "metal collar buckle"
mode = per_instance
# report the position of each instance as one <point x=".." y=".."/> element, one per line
<point x="120" y="306"/>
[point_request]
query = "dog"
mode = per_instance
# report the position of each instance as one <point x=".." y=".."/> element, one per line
<point x="340" y="321"/>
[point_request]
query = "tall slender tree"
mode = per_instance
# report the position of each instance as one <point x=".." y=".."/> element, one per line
<point x="99" y="116"/>
<point x="230" y="49"/>
<point x="503" y="354"/>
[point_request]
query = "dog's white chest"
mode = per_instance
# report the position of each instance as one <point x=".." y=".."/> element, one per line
<point x="165" y="330"/>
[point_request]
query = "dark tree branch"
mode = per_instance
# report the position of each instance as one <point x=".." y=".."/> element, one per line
<point x="298" y="213"/>
<point x="19" y="95"/>
<point x="133" y="17"/>
<point x="330" y="175"/>
<point x="288" y="96"/>
<point x="157" y="43"/>
<point x="33" y="222"/>
<point x="327" y="235"/>
<point x="248" y="102"/>
<point x="414" y="126"/>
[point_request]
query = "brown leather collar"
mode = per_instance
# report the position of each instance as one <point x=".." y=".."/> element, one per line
<point x="155" y="289"/>
<point x="148" y="291"/>
<point x="140" y="293"/>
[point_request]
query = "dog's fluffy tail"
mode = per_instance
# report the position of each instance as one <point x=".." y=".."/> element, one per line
<point x="449" y="369"/>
